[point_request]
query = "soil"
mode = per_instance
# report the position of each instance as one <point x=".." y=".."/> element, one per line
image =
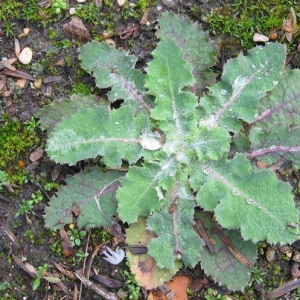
<point x="35" y="245"/>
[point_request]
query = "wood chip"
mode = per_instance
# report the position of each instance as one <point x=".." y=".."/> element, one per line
<point x="76" y="30"/>
<point x="36" y="154"/>
<point x="50" y="79"/>
<point x="10" y="235"/>
<point x="108" y="282"/>
<point x="56" y="171"/>
<point x="2" y="82"/>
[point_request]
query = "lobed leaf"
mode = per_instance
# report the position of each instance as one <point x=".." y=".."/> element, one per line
<point x="176" y="236"/>
<point x="145" y="268"/>
<point x="277" y="144"/>
<point x="52" y="114"/>
<point x="242" y="198"/>
<point x="198" y="49"/>
<point x="142" y="199"/>
<point x="88" y="195"/>
<point x="275" y="132"/>
<point x="94" y="132"/>
<point x="223" y="267"/>
<point x="166" y="79"/>
<point x="115" y="69"/>
<point x="245" y="80"/>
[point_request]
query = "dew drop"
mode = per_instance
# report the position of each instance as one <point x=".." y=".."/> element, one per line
<point x="205" y="169"/>
<point x="275" y="82"/>
<point x="117" y="123"/>
<point x="224" y="92"/>
<point x="250" y="201"/>
<point x="261" y="65"/>
<point x="253" y="66"/>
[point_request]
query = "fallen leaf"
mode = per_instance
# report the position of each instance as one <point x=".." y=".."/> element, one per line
<point x="10" y="61"/>
<point x="179" y="286"/>
<point x="18" y="74"/>
<point x="25" y="33"/>
<point x="66" y="243"/>
<point x="17" y="47"/>
<point x="56" y="171"/>
<point x="76" y="30"/>
<point x="144" y="18"/>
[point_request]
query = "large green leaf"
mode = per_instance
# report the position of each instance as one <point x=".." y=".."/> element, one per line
<point x="198" y="49"/>
<point x="222" y="266"/>
<point x="95" y="131"/>
<point x="176" y="236"/>
<point x="90" y="195"/>
<point x="256" y="202"/>
<point x="245" y="80"/>
<point x="166" y="79"/>
<point x="50" y="115"/>
<point x="145" y="268"/>
<point x="115" y="69"/>
<point x="142" y="199"/>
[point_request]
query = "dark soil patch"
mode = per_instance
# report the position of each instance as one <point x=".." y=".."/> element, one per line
<point x="38" y="246"/>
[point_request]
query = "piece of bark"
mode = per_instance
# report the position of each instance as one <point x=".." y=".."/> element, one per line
<point x="18" y="74"/>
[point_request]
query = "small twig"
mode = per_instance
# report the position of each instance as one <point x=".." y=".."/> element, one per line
<point x="41" y="189"/>
<point x="96" y="288"/>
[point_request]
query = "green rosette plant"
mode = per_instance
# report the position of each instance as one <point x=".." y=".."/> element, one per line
<point x="190" y="145"/>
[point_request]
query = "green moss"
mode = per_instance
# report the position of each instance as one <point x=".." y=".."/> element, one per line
<point x="10" y="9"/>
<point x="88" y="12"/>
<point x="80" y="88"/>
<point x="243" y="18"/>
<point x="15" y="140"/>
<point x="52" y="33"/>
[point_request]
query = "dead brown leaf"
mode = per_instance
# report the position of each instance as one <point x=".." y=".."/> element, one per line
<point x="3" y="63"/>
<point x="44" y="3"/>
<point x="17" y="47"/>
<point x="284" y="289"/>
<point x="51" y="79"/>
<point x="76" y="30"/>
<point x="144" y="18"/>
<point x="18" y="74"/>
<point x="56" y="171"/>
<point x="66" y="243"/>
<point x="10" y="235"/>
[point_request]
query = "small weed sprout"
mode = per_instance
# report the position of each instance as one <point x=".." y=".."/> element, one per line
<point x="256" y="277"/>
<point x="40" y="273"/>
<point x="25" y="207"/>
<point x="37" y="197"/>
<point x="75" y="236"/>
<point x="211" y="294"/>
<point x="3" y="179"/>
<point x="130" y="284"/>
<point x="81" y="255"/>
<point x="32" y="124"/>
<point x="8" y="29"/>
<point x="59" y="5"/>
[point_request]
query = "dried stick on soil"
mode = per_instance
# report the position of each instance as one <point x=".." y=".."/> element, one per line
<point x="96" y="288"/>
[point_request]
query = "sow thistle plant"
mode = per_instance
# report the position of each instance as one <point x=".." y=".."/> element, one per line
<point x="191" y="153"/>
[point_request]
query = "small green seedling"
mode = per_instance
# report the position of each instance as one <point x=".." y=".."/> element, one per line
<point x="81" y="255"/>
<point x="25" y="207"/>
<point x="32" y="124"/>
<point x="76" y="236"/>
<point x="40" y="273"/>
<point x="59" y="5"/>
<point x="130" y="284"/>
<point x="37" y="197"/>
<point x="3" y="179"/>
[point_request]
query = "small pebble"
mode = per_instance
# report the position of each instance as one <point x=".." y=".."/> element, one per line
<point x="296" y="256"/>
<point x="270" y="254"/>
<point x="21" y="83"/>
<point x="25" y="56"/>
<point x="121" y="2"/>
